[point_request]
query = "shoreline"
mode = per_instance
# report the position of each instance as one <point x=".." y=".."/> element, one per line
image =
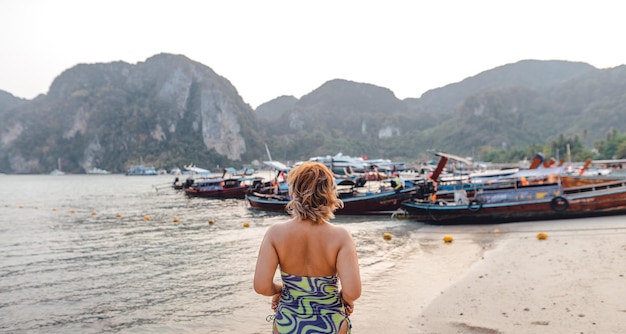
<point x="392" y="303"/>
<point x="502" y="279"/>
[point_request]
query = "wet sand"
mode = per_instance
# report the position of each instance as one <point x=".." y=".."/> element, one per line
<point x="503" y="279"/>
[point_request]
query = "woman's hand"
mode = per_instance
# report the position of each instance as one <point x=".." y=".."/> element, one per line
<point x="349" y="307"/>
<point x="275" y="299"/>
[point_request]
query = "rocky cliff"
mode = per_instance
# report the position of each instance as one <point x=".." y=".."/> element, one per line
<point x="166" y="111"/>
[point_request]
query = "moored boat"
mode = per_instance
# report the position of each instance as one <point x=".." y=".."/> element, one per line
<point x="220" y="187"/>
<point x="553" y="197"/>
<point x="192" y="169"/>
<point x="57" y="172"/>
<point x="98" y="171"/>
<point x="356" y="201"/>
<point x="341" y="164"/>
<point x="141" y="170"/>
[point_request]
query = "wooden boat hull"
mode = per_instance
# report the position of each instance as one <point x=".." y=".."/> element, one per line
<point x="608" y="198"/>
<point x="239" y="193"/>
<point x="221" y="188"/>
<point x="368" y="204"/>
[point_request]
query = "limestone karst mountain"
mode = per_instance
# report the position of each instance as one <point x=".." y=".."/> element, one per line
<point x="170" y="110"/>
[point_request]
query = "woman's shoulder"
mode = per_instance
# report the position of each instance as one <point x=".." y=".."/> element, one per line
<point x="280" y="227"/>
<point x="339" y="230"/>
<point x="336" y="227"/>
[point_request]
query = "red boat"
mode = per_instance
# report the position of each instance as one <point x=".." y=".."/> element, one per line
<point x="221" y="187"/>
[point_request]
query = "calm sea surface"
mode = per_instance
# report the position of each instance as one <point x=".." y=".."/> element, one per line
<point x="105" y="254"/>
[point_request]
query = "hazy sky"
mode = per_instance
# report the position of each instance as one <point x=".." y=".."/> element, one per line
<point x="269" y="48"/>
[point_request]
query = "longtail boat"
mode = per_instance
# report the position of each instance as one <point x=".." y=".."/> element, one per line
<point x="221" y="187"/>
<point x="527" y="196"/>
<point x="356" y="200"/>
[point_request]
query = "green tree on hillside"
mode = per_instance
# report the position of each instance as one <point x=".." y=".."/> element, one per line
<point x="613" y="147"/>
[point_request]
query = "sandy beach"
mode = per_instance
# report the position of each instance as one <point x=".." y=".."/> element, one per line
<point x="503" y="279"/>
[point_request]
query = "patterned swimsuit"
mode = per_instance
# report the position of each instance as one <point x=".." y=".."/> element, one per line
<point x="310" y="305"/>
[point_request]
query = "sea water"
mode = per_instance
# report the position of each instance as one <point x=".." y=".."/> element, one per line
<point x="129" y="254"/>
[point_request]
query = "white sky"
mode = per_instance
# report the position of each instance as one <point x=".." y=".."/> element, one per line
<point x="268" y="48"/>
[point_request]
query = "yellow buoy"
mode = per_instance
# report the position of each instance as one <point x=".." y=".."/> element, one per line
<point x="175" y="219"/>
<point x="246" y="224"/>
<point x="387" y="236"/>
<point x="93" y="213"/>
<point x="497" y="230"/>
<point x="72" y="211"/>
<point x="21" y="206"/>
<point x="542" y="236"/>
<point x="54" y="209"/>
<point x="211" y="221"/>
<point x="146" y="217"/>
<point x="447" y="238"/>
<point x="118" y="216"/>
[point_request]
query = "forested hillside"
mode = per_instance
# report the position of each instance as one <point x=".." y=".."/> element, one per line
<point x="169" y="111"/>
<point x="513" y="106"/>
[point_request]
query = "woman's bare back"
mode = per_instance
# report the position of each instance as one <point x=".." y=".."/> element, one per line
<point x="308" y="249"/>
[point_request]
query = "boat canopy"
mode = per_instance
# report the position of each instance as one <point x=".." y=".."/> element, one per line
<point x="277" y="165"/>
<point x="539" y="172"/>
<point x="454" y="157"/>
<point x="230" y="170"/>
<point x="221" y="179"/>
<point x="197" y="170"/>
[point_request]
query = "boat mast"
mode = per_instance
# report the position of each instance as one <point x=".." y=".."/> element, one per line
<point x="442" y="163"/>
<point x="569" y="155"/>
<point x="268" y="152"/>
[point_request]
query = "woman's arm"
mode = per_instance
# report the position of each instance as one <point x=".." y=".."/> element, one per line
<point x="348" y="270"/>
<point x="266" y="265"/>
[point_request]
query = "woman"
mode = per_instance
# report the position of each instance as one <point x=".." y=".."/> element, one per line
<point x="313" y="255"/>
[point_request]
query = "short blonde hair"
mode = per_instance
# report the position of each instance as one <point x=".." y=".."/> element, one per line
<point x="313" y="192"/>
